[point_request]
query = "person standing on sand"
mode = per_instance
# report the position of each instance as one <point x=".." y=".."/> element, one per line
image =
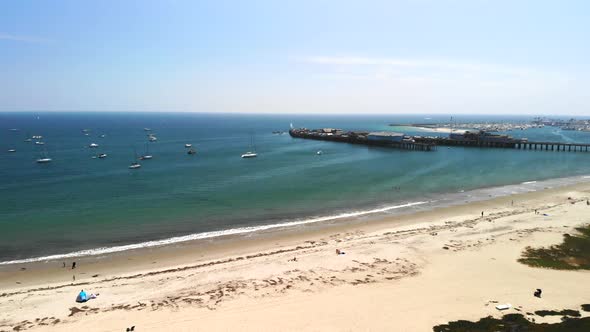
<point x="482" y="214"/>
<point x="73" y="265"/>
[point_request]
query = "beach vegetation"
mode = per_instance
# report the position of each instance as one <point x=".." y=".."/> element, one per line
<point x="572" y="254"/>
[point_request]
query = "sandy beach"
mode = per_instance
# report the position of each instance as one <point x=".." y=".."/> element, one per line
<point x="403" y="273"/>
<point x="442" y="130"/>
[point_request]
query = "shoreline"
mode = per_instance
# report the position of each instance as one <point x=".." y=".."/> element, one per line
<point x="373" y="213"/>
<point x="399" y="255"/>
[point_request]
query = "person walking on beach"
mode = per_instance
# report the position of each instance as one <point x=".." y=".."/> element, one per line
<point x="73" y="265"/>
<point x="482" y="214"/>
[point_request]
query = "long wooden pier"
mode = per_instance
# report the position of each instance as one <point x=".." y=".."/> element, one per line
<point x="420" y="143"/>
<point x="575" y="147"/>
<point x="359" y="137"/>
<point x="508" y="144"/>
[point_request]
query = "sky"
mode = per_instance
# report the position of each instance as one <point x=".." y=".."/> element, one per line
<point x="318" y="56"/>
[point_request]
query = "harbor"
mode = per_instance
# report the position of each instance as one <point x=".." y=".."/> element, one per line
<point x="479" y="139"/>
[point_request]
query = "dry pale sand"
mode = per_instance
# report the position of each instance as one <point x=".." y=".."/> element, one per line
<point x="443" y="130"/>
<point x="395" y="276"/>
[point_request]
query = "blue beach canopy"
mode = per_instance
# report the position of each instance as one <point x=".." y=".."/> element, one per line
<point x="82" y="297"/>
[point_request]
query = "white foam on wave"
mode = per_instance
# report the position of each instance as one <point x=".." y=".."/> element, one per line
<point x="205" y="235"/>
<point x="529" y="182"/>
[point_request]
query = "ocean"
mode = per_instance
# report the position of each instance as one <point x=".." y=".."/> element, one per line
<point x="79" y="205"/>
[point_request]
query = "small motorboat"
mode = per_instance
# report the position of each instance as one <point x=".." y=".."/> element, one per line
<point x="102" y="155"/>
<point x="191" y="151"/>
<point x="134" y="165"/>
<point x="152" y="138"/>
<point x="319" y="152"/>
<point x="11" y="150"/>
<point x="39" y="143"/>
<point x="249" y="155"/>
<point x="93" y="145"/>
<point x="43" y="160"/>
<point x="188" y="145"/>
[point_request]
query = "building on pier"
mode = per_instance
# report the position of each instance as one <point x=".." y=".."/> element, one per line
<point x="385" y="136"/>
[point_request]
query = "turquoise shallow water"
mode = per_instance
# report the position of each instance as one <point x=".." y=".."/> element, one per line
<point x="77" y="203"/>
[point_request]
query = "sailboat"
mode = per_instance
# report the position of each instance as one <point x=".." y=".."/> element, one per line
<point x="134" y="164"/>
<point x="44" y="158"/>
<point x="147" y="154"/>
<point x="252" y="152"/>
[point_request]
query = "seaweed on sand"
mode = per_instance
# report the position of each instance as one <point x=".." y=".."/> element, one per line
<point x="514" y="323"/>
<point x="572" y="254"/>
<point x="565" y="312"/>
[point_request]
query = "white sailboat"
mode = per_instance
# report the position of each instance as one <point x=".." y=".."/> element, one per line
<point x="252" y="153"/>
<point x="44" y="159"/>
<point x="134" y="164"/>
<point x="147" y="154"/>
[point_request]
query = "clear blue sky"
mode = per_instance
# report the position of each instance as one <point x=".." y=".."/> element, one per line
<point x="415" y="56"/>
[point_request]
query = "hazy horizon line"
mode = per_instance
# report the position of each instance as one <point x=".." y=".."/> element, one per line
<point x="293" y="113"/>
